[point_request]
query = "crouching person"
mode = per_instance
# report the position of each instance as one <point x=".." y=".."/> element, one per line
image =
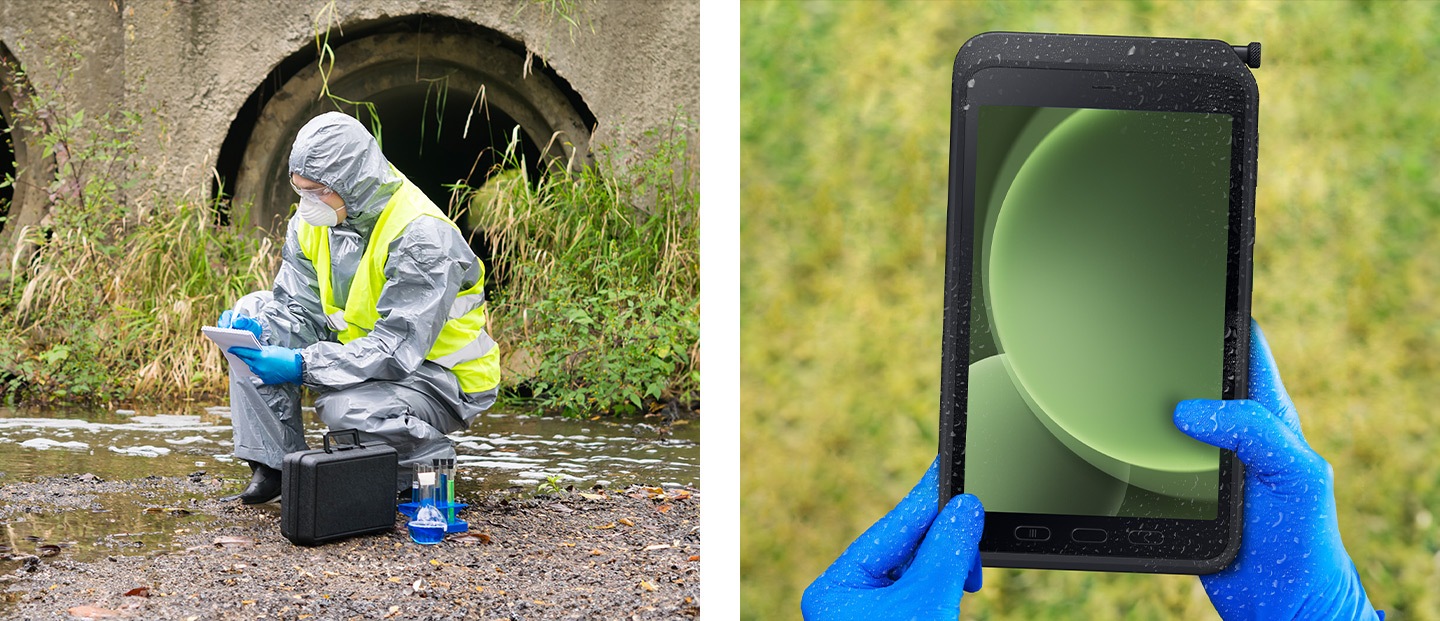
<point x="378" y="307"/>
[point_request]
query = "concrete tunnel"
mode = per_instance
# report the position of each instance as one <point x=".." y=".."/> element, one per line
<point x="22" y="202"/>
<point x="449" y="95"/>
<point x="7" y="168"/>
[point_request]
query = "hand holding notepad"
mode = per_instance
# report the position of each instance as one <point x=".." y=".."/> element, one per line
<point x="231" y="337"/>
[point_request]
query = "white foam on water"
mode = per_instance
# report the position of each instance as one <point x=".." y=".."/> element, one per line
<point x="142" y="451"/>
<point x="481" y="462"/>
<point x="44" y="444"/>
<point x="162" y="422"/>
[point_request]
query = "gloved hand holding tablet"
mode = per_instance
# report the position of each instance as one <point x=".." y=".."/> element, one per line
<point x="1291" y="563"/>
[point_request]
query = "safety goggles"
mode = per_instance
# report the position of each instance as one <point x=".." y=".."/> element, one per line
<point x="315" y="193"/>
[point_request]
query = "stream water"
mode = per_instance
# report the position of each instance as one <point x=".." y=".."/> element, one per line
<point x="503" y="450"/>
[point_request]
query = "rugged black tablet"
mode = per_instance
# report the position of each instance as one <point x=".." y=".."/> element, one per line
<point x="1098" y="266"/>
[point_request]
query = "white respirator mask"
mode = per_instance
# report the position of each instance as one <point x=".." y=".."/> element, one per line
<point x="315" y="212"/>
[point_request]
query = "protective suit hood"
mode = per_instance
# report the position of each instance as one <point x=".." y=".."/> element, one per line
<point x="336" y="150"/>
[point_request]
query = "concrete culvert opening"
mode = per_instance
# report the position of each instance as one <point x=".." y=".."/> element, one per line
<point x="7" y="169"/>
<point x="24" y="202"/>
<point x="426" y="88"/>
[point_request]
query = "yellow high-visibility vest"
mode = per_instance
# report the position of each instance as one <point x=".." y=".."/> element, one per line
<point x="463" y="345"/>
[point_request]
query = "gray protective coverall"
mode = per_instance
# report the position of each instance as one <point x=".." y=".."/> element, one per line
<point x="380" y="384"/>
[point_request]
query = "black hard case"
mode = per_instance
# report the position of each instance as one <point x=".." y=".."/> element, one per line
<point x="1090" y="53"/>
<point x="339" y="491"/>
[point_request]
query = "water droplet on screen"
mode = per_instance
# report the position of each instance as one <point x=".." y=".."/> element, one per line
<point x="1131" y="52"/>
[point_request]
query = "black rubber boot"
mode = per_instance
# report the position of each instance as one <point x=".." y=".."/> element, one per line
<point x="264" y="486"/>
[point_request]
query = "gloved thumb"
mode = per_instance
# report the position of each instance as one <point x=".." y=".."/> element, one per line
<point x="225" y="319"/>
<point x="887" y="543"/>
<point x="949" y="557"/>
<point x="1259" y="437"/>
<point x="248" y="354"/>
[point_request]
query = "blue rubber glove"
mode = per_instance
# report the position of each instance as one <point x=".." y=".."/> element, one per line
<point x="239" y="321"/>
<point x="273" y="365"/>
<point x="1292" y="564"/>
<point x="882" y="575"/>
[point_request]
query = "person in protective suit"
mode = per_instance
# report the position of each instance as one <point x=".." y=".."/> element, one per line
<point x="378" y="307"/>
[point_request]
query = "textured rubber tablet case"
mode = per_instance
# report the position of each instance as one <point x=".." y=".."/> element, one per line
<point x="1092" y="53"/>
<point x="338" y="491"/>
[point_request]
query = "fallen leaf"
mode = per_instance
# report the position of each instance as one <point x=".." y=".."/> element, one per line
<point x="248" y="602"/>
<point x="663" y="508"/>
<point x="395" y="579"/>
<point x="138" y="592"/>
<point x="47" y="550"/>
<point x="658" y="546"/>
<point x="560" y="508"/>
<point x="470" y="538"/>
<point x="596" y="552"/>
<point x="234" y="541"/>
<point x="589" y="496"/>
<point x="626" y="521"/>
<point x="435" y="562"/>
<point x="604" y="527"/>
<point x="394" y="610"/>
<point x="91" y="612"/>
<point x="681" y="494"/>
<point x="647" y="585"/>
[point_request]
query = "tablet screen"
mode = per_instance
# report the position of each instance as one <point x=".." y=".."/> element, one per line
<point x="1098" y="303"/>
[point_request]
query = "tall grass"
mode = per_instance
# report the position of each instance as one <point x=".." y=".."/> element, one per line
<point x="108" y="306"/>
<point x="600" y="271"/>
<point x="843" y="161"/>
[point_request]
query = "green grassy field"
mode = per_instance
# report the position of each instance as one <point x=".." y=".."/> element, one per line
<point x="844" y="147"/>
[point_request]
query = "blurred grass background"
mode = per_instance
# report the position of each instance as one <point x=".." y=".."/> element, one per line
<point x="844" y="147"/>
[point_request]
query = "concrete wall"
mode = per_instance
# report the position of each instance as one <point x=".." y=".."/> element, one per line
<point x="189" y="65"/>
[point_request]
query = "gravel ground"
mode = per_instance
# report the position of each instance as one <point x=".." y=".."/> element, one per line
<point x="600" y="554"/>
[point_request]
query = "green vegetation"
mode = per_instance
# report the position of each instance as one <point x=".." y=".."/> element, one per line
<point x="551" y="485"/>
<point x="843" y="195"/>
<point x="109" y="305"/>
<point x="603" y="269"/>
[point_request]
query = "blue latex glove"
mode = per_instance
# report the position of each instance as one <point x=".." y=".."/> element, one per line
<point x="882" y="575"/>
<point x="273" y="365"/>
<point x="1292" y="564"/>
<point x="238" y="321"/>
